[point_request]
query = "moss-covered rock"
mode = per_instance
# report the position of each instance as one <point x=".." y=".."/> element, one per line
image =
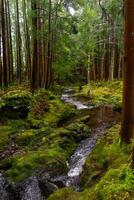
<point x="15" y="104"/>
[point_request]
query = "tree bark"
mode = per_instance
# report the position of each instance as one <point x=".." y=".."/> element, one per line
<point x="27" y="42"/>
<point x="18" y="44"/>
<point x="127" y="130"/>
<point x="5" y="67"/>
<point x="34" y="81"/>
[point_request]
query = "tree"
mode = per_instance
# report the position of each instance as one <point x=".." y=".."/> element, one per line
<point x="27" y="42"/>
<point x="49" y="61"/>
<point x="4" y="43"/>
<point x="18" y="44"/>
<point x="0" y="43"/>
<point x="127" y="130"/>
<point x="34" y="79"/>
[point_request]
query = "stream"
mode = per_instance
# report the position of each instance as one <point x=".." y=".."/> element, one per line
<point x="101" y="118"/>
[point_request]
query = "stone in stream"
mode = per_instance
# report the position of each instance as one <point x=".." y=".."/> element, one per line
<point x="7" y="190"/>
<point x="30" y="190"/>
<point x="34" y="188"/>
<point x="46" y="183"/>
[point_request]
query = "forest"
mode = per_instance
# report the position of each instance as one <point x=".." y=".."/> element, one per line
<point x="66" y="99"/>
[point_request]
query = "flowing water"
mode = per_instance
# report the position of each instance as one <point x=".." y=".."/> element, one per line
<point x="100" y="119"/>
<point x="67" y="98"/>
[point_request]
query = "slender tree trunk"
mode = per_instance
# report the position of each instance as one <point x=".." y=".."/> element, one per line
<point x="0" y="61"/>
<point x="116" y="65"/>
<point x="0" y="43"/>
<point x="10" y="43"/>
<point x="18" y="44"/>
<point x="48" y="72"/>
<point x="112" y="50"/>
<point x="102" y="63"/>
<point x="5" y="67"/>
<point x="7" y="41"/>
<point x="34" y="81"/>
<point x="27" y="42"/>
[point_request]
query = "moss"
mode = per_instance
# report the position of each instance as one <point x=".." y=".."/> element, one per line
<point x="56" y="114"/>
<point x="52" y="159"/>
<point x="65" y="193"/>
<point x="25" y="137"/>
<point x="15" y="97"/>
<point x="6" y="164"/>
<point x="4" y="132"/>
<point x="115" y="183"/>
<point x="99" y="93"/>
<point x="46" y="148"/>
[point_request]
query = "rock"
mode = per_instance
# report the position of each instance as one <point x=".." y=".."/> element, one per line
<point x="7" y="190"/>
<point x="47" y="188"/>
<point x="30" y="190"/>
<point x="3" y="186"/>
<point x="14" y="112"/>
<point x="34" y="188"/>
<point x="46" y="185"/>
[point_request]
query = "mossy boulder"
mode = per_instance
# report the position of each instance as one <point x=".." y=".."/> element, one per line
<point x="15" y="104"/>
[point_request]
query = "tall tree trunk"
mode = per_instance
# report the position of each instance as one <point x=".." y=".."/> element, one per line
<point x="7" y="41"/>
<point x="34" y="81"/>
<point x="5" y="67"/>
<point x="116" y="65"/>
<point x="0" y="43"/>
<point x="127" y="130"/>
<point x="27" y="42"/>
<point x="112" y="51"/>
<point x="48" y="73"/>
<point x="102" y="63"/>
<point x="10" y="43"/>
<point x="18" y="44"/>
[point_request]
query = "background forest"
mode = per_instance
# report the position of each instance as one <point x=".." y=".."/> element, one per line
<point x="61" y="41"/>
<point x="62" y="136"/>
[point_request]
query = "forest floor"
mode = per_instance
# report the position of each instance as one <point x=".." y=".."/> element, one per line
<point x="40" y="132"/>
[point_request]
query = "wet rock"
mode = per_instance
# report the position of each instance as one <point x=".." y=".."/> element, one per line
<point x="7" y="190"/>
<point x="30" y="190"/>
<point x="46" y="184"/>
<point x="60" y="180"/>
<point x="47" y="188"/>
<point x="34" y="188"/>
